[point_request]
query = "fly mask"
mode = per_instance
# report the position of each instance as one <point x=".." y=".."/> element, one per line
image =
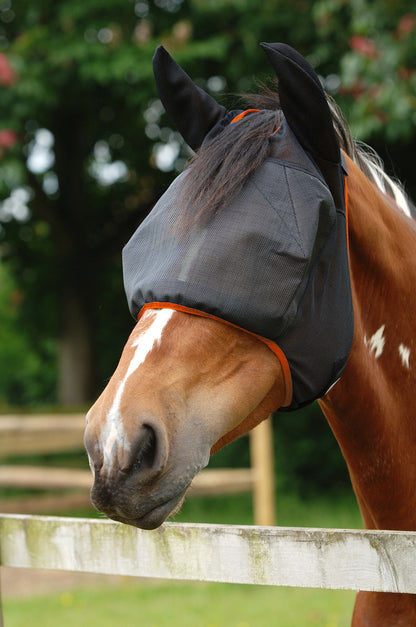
<point x="274" y="262"/>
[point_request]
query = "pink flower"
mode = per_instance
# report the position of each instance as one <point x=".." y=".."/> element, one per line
<point x="7" y="73"/>
<point x="364" y="46"/>
<point x="8" y="138"/>
<point x="406" y="25"/>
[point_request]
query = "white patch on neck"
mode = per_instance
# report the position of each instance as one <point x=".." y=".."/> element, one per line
<point x="113" y="434"/>
<point x="404" y="353"/>
<point x="376" y="342"/>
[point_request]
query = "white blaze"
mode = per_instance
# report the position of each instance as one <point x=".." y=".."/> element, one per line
<point x="113" y="434"/>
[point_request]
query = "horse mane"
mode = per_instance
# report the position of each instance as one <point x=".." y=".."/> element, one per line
<point x="369" y="162"/>
<point x="221" y="166"/>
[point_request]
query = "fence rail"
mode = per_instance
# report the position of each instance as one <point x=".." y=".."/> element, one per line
<point x="48" y="433"/>
<point x="315" y="558"/>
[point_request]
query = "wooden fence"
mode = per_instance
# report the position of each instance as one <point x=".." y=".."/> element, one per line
<point x="314" y="558"/>
<point x="54" y="433"/>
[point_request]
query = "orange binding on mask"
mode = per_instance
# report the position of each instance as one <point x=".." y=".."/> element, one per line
<point x="241" y="115"/>
<point x="269" y="343"/>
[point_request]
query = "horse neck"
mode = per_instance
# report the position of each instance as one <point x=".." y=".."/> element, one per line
<point x="371" y="409"/>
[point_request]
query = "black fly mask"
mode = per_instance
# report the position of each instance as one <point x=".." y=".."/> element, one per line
<point x="274" y="261"/>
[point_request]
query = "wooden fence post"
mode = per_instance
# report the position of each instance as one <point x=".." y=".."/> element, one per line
<point x="261" y="450"/>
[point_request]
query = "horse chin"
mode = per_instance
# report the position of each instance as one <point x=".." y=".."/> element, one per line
<point x="156" y="516"/>
<point x="144" y="504"/>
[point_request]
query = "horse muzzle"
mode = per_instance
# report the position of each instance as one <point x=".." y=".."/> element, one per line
<point x="139" y="480"/>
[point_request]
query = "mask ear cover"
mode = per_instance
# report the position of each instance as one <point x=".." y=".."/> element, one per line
<point x="303" y="102"/>
<point x="306" y="110"/>
<point x="191" y="109"/>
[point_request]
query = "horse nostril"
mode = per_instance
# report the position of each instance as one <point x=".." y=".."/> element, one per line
<point x="146" y="453"/>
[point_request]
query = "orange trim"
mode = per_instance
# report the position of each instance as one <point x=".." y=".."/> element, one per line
<point x="269" y="343"/>
<point x="346" y="212"/>
<point x="241" y="115"/>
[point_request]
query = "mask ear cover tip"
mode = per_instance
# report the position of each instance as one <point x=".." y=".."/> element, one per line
<point x="191" y="109"/>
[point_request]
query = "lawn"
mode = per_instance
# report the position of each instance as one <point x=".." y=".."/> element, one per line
<point x="184" y="605"/>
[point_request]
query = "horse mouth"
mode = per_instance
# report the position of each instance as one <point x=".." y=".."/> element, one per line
<point x="155" y="516"/>
<point x="142" y="506"/>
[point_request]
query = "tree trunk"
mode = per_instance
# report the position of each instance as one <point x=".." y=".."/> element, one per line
<point x="76" y="382"/>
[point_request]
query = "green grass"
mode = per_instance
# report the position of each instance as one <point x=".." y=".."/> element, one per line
<point x="338" y="511"/>
<point x="184" y="605"/>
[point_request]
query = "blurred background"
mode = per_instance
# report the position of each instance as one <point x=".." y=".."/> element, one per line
<point x="86" y="150"/>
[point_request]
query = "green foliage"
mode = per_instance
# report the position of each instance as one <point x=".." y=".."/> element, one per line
<point x="377" y="76"/>
<point x="307" y="454"/>
<point x="307" y="457"/>
<point x="28" y="370"/>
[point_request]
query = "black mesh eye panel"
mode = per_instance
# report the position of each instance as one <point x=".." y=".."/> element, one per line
<point x="252" y="256"/>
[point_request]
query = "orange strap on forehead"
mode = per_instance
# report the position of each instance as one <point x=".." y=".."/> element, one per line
<point x="241" y="115"/>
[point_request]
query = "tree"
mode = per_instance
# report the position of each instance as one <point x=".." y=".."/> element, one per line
<point x="86" y="148"/>
<point x="80" y="84"/>
<point x="375" y="82"/>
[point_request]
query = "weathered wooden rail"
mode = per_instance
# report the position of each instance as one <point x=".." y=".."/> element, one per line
<point x="49" y="433"/>
<point x="53" y="433"/>
<point x="314" y="558"/>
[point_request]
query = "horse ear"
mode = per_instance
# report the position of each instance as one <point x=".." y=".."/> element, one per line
<point x="191" y="109"/>
<point x="303" y="102"/>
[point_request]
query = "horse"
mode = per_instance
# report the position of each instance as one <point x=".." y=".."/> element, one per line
<point x="190" y="379"/>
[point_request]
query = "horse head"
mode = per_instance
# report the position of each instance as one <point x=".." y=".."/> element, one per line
<point x="227" y="308"/>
